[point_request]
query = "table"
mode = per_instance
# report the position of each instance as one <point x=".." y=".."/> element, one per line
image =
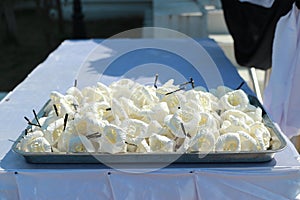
<point x="277" y="179"/>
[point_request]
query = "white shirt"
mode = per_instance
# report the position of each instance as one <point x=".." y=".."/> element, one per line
<point x="281" y="96"/>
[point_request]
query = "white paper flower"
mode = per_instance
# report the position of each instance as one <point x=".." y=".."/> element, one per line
<point x="207" y="121"/>
<point x="248" y="143"/>
<point x="29" y="138"/>
<point x="80" y="124"/>
<point x="130" y="108"/>
<point x="236" y="99"/>
<point x="66" y="108"/>
<point x="202" y="99"/>
<point x="236" y="116"/>
<point x="118" y="111"/>
<point x="192" y="106"/>
<point x="233" y="126"/>
<point x="144" y="95"/>
<point x="228" y="142"/>
<point x="160" y="143"/>
<point x="48" y="120"/>
<point x="203" y="141"/>
<point x="92" y="94"/>
<point x="101" y="110"/>
<point x="55" y="97"/>
<point x="74" y="91"/>
<point x="156" y="112"/>
<point x="153" y="127"/>
<point x="214" y="102"/>
<point x="262" y="135"/>
<point x="54" y="130"/>
<point x="39" y="144"/>
<point x="104" y="89"/>
<point x="80" y="143"/>
<point x="64" y="140"/>
<point x="135" y="129"/>
<point x="143" y="147"/>
<point x="166" y="88"/>
<point x="174" y="101"/>
<point x="220" y="91"/>
<point x="254" y="112"/>
<point x="188" y="119"/>
<point x="113" y="140"/>
<point x="64" y="104"/>
<point x="123" y="88"/>
<point x="184" y="145"/>
<point x="93" y="124"/>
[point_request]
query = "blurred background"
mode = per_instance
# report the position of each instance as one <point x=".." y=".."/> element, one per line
<point x="31" y="29"/>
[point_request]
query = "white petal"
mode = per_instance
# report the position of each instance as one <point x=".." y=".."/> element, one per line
<point x="134" y="127"/>
<point x="236" y="99"/>
<point x="153" y="127"/>
<point x="28" y="139"/>
<point x="248" y="143"/>
<point x="159" y="143"/>
<point x="184" y="146"/>
<point x="228" y="142"/>
<point x="75" y="92"/>
<point x="113" y="139"/>
<point x="54" y="130"/>
<point x="237" y="114"/>
<point x="203" y="141"/>
<point x="143" y="147"/>
<point x="38" y="144"/>
<point x="260" y="132"/>
<point x="118" y="110"/>
<point x="80" y="144"/>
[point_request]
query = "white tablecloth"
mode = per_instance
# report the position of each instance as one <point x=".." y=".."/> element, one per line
<point x="277" y="179"/>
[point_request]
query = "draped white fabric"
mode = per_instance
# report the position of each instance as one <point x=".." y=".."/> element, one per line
<point x="63" y="185"/>
<point x="278" y="179"/>
<point x="281" y="98"/>
<point x="248" y="184"/>
<point x="279" y="184"/>
<point x="8" y="186"/>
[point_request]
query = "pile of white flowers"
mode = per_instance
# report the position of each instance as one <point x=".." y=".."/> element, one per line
<point x="129" y="117"/>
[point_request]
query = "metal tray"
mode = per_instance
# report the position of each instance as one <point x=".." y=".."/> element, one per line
<point x="136" y="158"/>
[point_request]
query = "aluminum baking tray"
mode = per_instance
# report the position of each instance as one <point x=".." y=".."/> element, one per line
<point x="142" y="158"/>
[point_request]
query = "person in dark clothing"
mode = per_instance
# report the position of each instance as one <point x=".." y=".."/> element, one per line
<point x="252" y="28"/>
